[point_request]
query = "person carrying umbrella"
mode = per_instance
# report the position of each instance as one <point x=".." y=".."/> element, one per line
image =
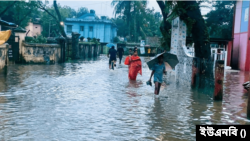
<point x="159" y="65"/>
<point x="135" y="65"/>
<point x="158" y="70"/>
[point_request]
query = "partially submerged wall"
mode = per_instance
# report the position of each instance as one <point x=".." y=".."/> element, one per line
<point x="89" y="49"/>
<point x="190" y="71"/>
<point x="184" y="68"/>
<point x="40" y="53"/>
<point x="3" y="55"/>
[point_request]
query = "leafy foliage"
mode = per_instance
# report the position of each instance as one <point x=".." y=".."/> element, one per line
<point x="220" y="20"/>
<point x="38" y="39"/>
<point x="134" y="20"/>
<point x="50" y="25"/>
<point x="116" y="40"/>
<point x="20" y="13"/>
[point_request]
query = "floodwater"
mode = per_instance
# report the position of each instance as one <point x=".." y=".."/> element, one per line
<point x="86" y="101"/>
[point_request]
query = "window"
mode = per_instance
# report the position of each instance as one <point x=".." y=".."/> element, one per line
<point x="81" y="28"/>
<point x="91" y="28"/>
<point x="69" y="28"/>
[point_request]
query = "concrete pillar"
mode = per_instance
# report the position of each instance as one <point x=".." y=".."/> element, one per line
<point x="3" y="55"/>
<point x="219" y="77"/>
<point x="89" y="51"/>
<point x="86" y="52"/>
<point x="75" y="45"/>
<point x="61" y="42"/>
<point x="95" y="51"/>
<point x="21" y="33"/>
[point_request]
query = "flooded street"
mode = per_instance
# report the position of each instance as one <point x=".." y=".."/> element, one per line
<point x="84" y="100"/>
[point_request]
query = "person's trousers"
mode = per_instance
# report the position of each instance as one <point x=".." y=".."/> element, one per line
<point x="120" y="58"/>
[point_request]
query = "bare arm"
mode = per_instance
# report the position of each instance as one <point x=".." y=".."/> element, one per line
<point x="151" y="75"/>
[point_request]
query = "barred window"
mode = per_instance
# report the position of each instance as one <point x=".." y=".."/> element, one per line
<point x="69" y="28"/>
<point x="91" y="28"/>
<point x="81" y="28"/>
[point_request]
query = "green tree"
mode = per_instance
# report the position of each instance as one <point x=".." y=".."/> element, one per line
<point x="5" y="6"/>
<point x="138" y="22"/>
<point x="220" y="20"/>
<point x="147" y="24"/>
<point x="57" y="17"/>
<point x="49" y="24"/>
<point x="81" y="11"/>
<point x="18" y="12"/>
<point x="189" y="12"/>
<point x="129" y="10"/>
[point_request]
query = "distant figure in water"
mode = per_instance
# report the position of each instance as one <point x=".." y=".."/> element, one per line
<point x="112" y="52"/>
<point x="120" y="53"/>
<point x="158" y="71"/>
<point x="135" y="65"/>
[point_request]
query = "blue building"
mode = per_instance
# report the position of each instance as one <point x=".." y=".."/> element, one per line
<point x="89" y="26"/>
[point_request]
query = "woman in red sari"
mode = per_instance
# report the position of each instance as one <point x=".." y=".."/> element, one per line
<point x="135" y="66"/>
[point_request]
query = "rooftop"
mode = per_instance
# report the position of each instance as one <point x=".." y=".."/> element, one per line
<point x="90" y="17"/>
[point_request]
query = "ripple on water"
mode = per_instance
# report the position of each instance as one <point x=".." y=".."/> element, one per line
<point x="84" y="100"/>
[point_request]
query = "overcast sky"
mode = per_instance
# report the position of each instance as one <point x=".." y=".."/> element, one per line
<point x="103" y="7"/>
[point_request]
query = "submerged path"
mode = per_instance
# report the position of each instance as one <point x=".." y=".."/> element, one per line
<point x="84" y="100"/>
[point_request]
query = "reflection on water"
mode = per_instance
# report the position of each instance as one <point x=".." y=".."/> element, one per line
<point x="84" y="100"/>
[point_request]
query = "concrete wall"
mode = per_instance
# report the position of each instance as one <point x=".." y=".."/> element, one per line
<point x="241" y="45"/>
<point x="88" y="50"/>
<point x="3" y="55"/>
<point x="184" y="68"/>
<point x="182" y="74"/>
<point x="41" y="53"/>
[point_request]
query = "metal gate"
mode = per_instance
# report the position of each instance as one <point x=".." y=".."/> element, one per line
<point x="13" y="51"/>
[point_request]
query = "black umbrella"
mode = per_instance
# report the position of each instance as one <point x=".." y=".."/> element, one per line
<point x="8" y="24"/>
<point x="170" y="60"/>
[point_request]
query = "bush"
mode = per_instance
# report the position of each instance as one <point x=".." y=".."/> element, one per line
<point x="81" y="38"/>
<point x="28" y="39"/>
<point x="38" y="39"/>
<point x="94" y="40"/>
<point x="116" y="39"/>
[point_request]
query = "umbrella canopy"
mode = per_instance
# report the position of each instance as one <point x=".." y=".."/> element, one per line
<point x="4" y="36"/>
<point x="7" y="24"/>
<point x="170" y="61"/>
<point x="110" y="45"/>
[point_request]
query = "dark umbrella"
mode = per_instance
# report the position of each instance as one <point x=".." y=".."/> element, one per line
<point x="8" y="24"/>
<point x="170" y="60"/>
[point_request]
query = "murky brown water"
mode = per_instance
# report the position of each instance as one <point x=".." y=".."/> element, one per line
<point x="86" y="101"/>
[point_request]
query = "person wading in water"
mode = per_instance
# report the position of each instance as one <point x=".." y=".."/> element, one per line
<point x="120" y="53"/>
<point x="158" y="71"/>
<point x="112" y="52"/>
<point x="135" y="65"/>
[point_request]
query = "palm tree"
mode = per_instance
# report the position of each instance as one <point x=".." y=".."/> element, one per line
<point x="130" y="10"/>
<point x="124" y="8"/>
